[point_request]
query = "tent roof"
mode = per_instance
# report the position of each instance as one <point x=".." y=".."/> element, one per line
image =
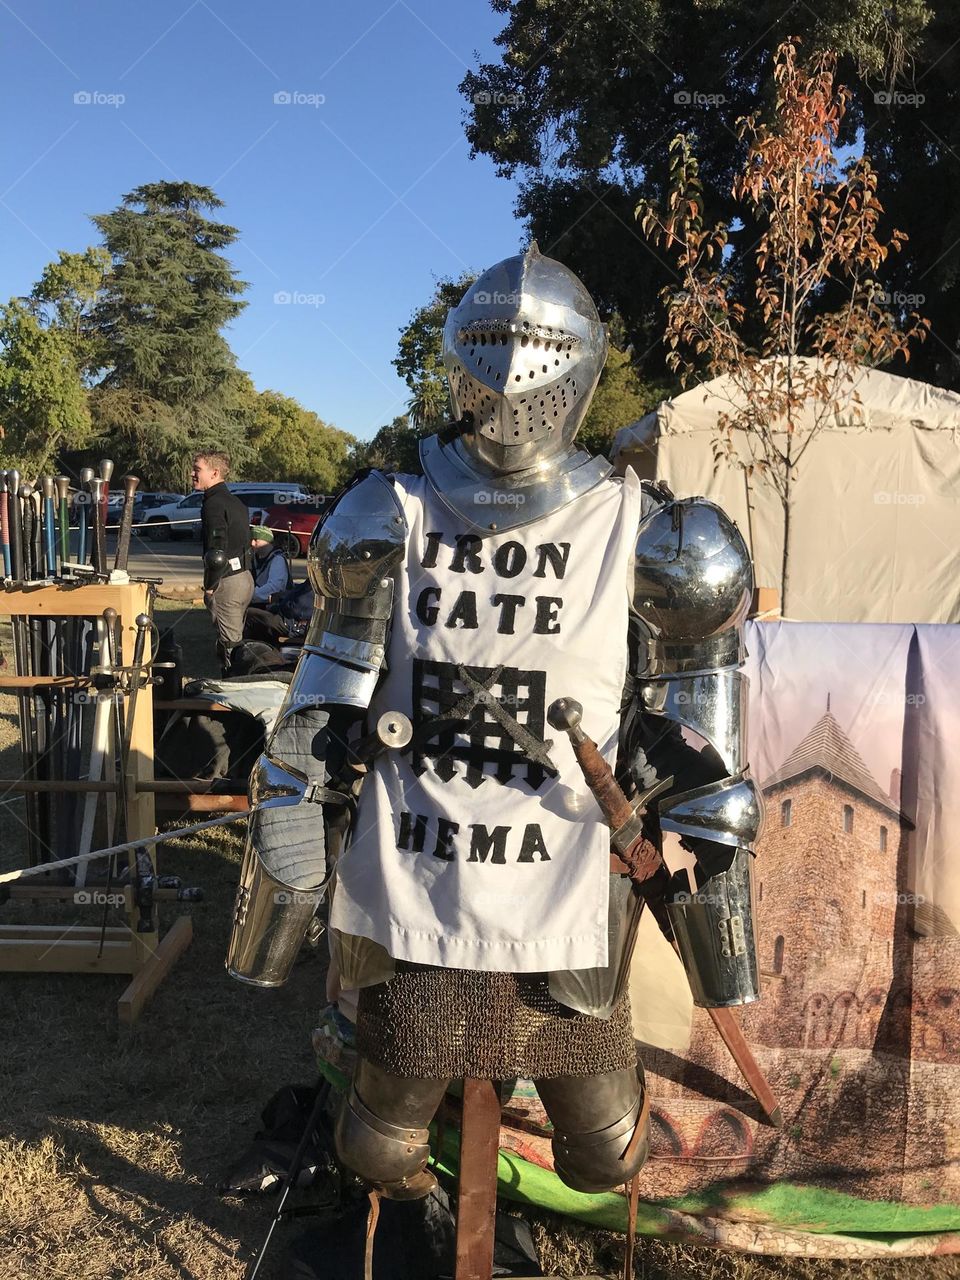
<point x="827" y="747"/>
<point x="870" y="399"/>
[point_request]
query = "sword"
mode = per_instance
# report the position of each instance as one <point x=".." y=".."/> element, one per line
<point x="15" y="525"/>
<point x="106" y="472"/>
<point x="99" y="544"/>
<point x="83" y="512"/>
<point x="126" y="523"/>
<point x="5" y="525"/>
<point x="27" y="521"/>
<point x="650" y="873"/>
<point x="63" y="518"/>
<point x="49" y="526"/>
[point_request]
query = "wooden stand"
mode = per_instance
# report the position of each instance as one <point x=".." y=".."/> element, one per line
<point x="477" y="1180"/>
<point x="135" y="948"/>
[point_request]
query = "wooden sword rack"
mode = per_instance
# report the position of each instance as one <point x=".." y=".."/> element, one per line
<point x="83" y="655"/>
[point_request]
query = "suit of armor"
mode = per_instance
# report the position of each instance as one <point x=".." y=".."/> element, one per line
<point x="523" y="351"/>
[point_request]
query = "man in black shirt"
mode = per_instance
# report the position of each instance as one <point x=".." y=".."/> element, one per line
<point x="225" y="526"/>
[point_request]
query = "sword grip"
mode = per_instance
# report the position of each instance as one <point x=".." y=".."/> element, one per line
<point x="565" y="714"/>
<point x="126" y="522"/>
<point x="599" y="778"/>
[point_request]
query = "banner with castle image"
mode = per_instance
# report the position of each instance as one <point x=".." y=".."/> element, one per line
<point x="854" y="736"/>
<point x="854" y="733"/>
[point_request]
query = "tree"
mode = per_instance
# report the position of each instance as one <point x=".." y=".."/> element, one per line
<point x="395" y="447"/>
<point x="621" y="397"/>
<point x="66" y="297"/>
<point x="169" y="294"/>
<point x="580" y="112"/>
<point x="419" y="359"/>
<point x="819" y="311"/>
<point x="144" y="436"/>
<point x="42" y="401"/>
<point x="170" y="383"/>
<point x="290" y="442"/>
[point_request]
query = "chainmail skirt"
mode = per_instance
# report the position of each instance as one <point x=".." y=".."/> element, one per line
<point x="433" y="1023"/>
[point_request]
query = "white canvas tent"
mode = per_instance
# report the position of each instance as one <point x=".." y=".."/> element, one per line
<point x="876" y="508"/>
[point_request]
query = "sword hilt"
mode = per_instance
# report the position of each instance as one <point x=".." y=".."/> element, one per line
<point x="122" y="555"/>
<point x="566" y="714"/>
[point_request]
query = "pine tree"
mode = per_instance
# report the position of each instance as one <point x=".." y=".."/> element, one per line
<point x="169" y="294"/>
<point x="171" y="377"/>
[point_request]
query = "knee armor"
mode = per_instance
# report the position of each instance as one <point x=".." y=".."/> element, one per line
<point x="392" y="1154"/>
<point x="601" y="1128"/>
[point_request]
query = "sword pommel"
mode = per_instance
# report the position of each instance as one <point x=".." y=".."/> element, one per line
<point x="565" y="714"/>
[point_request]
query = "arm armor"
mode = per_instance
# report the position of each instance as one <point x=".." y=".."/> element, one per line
<point x="353" y="555"/>
<point x="693" y="584"/>
<point x="693" y="587"/>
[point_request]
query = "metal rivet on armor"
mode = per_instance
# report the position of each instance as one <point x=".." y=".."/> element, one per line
<point x="364" y="555"/>
<point x="491" y="526"/>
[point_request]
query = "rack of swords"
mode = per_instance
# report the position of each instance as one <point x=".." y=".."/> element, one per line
<point x="82" y="640"/>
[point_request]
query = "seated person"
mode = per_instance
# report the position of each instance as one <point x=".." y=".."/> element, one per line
<point x="271" y="569"/>
<point x="284" y="621"/>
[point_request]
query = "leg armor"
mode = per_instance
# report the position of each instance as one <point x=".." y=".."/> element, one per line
<point x="382" y="1131"/>
<point x="693" y="589"/>
<point x="601" y="1127"/>
<point x="287" y="860"/>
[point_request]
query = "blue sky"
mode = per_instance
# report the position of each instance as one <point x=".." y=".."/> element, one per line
<point x="351" y="206"/>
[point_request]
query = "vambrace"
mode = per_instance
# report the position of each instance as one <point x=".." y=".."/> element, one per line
<point x="291" y="845"/>
<point x="693" y="588"/>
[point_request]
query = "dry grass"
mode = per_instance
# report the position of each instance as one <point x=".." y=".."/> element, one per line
<point x="112" y="1142"/>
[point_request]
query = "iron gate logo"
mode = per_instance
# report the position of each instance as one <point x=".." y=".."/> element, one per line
<point x="468" y="729"/>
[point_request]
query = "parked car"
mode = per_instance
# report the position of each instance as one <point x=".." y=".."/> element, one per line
<point x="141" y="502"/>
<point x="294" y="522"/>
<point x="181" y="519"/>
<point x="261" y="496"/>
<point x="177" y="519"/>
<point x="145" y="503"/>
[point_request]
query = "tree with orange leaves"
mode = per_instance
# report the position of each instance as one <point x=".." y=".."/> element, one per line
<point x="788" y="363"/>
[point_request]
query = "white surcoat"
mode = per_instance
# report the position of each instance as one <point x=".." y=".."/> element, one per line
<point x="466" y="853"/>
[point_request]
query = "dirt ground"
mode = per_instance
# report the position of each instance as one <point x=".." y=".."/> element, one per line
<point x="111" y="1143"/>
